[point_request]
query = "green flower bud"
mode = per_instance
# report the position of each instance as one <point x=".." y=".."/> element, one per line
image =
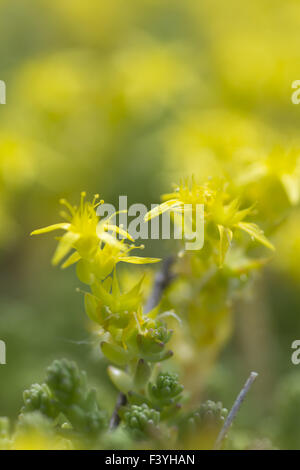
<point x="210" y="413"/>
<point x="141" y="420"/>
<point x="66" y="381"/>
<point x="74" y="399"/>
<point x="166" y="391"/>
<point x="38" y="398"/>
<point x="152" y="342"/>
<point x="87" y="422"/>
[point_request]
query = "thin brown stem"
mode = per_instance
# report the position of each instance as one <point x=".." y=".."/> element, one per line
<point x="162" y="280"/>
<point x="115" y="418"/>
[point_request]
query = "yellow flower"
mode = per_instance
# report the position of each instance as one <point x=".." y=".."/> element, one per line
<point x="181" y="196"/>
<point x="94" y="242"/>
<point x="221" y="211"/>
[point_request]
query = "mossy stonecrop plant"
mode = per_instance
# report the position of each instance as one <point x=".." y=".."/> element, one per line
<point x="130" y="335"/>
<point x="223" y="216"/>
<point x="208" y="280"/>
<point x="66" y="392"/>
<point x="135" y="341"/>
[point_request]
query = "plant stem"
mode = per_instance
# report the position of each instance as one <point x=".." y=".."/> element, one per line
<point x="235" y="408"/>
<point x="162" y="280"/>
<point x="115" y="418"/>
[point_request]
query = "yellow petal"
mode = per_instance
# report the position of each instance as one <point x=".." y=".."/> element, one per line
<point x="165" y="206"/>
<point x="292" y="187"/>
<point x="64" y="246"/>
<point x="255" y="232"/>
<point x="110" y="240"/>
<point x="73" y="258"/>
<point x="225" y="241"/>
<point x="51" y="228"/>
<point x="119" y="230"/>
<point x="139" y="260"/>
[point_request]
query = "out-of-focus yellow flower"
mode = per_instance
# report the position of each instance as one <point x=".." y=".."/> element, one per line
<point x="38" y="441"/>
<point x="280" y="165"/>
<point x="36" y="432"/>
<point x="288" y="243"/>
<point x="95" y="22"/>
<point x="152" y="76"/>
<point x="214" y="142"/>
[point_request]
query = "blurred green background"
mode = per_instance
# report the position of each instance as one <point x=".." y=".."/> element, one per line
<point x="125" y="98"/>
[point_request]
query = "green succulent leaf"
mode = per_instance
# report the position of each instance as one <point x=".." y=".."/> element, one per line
<point x="121" y="380"/>
<point x="115" y="353"/>
<point x="142" y="374"/>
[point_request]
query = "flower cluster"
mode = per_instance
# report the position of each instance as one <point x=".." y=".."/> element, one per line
<point x="130" y="337"/>
<point x="209" y="279"/>
<point x="94" y="247"/>
<point x="135" y="342"/>
<point x="201" y="426"/>
<point x="141" y="420"/>
<point x="166" y="391"/>
<point x="223" y="216"/>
